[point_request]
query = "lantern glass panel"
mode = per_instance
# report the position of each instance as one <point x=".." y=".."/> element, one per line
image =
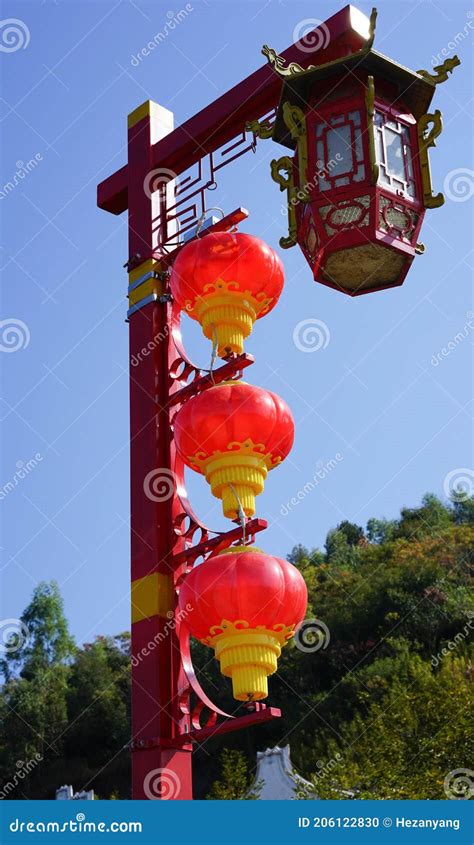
<point x="339" y="151"/>
<point x="338" y="142"/>
<point x="394" y="155"/>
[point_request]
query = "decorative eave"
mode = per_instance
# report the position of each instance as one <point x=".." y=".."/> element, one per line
<point x="415" y="89"/>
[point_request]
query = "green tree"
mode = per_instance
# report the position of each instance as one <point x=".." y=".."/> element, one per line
<point x="352" y="532"/>
<point x="463" y="510"/>
<point x="97" y="699"/>
<point x="381" y="530"/>
<point x="338" y="549"/>
<point x="34" y="694"/>
<point x="408" y="739"/>
<point x="430" y="519"/>
<point x="235" y="780"/>
<point x="46" y="641"/>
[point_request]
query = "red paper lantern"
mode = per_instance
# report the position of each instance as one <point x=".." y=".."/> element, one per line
<point x="245" y="604"/>
<point x="226" y="281"/>
<point x="233" y="434"/>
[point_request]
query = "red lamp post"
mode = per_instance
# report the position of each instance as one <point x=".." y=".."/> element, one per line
<point x="372" y="198"/>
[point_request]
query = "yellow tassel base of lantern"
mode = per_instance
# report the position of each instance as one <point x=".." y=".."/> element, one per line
<point x="237" y="478"/>
<point x="248" y="658"/>
<point x="237" y="475"/>
<point x="227" y="315"/>
<point x="226" y="318"/>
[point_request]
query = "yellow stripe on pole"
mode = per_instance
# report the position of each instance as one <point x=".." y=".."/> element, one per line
<point x="152" y="595"/>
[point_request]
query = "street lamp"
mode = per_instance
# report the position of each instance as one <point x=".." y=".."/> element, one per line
<point x="359" y="181"/>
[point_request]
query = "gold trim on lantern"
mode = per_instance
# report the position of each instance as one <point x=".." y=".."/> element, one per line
<point x="236" y="476"/>
<point x="227" y="314"/>
<point x="370" y="108"/>
<point x="442" y="71"/>
<point x="427" y="140"/>
<point x="238" y="549"/>
<point x="278" y="63"/>
<point x="262" y="129"/>
<point x="287" y="183"/>
<point x="295" y="121"/>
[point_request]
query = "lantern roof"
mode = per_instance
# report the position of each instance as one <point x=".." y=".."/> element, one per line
<point x="415" y="89"/>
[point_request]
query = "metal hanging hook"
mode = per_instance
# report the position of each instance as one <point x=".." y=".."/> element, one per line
<point x="240" y="512"/>
<point x="202" y="218"/>
<point x="215" y="345"/>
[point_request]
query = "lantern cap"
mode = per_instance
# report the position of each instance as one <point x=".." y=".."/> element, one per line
<point x="240" y="549"/>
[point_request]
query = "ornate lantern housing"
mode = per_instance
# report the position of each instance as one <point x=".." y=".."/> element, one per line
<point x="359" y="181"/>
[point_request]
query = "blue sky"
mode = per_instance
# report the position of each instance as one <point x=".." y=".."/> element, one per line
<point x="381" y="394"/>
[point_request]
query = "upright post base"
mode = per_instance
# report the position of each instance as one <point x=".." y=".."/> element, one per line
<point x="162" y="774"/>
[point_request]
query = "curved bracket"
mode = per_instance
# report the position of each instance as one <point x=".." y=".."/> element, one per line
<point x="426" y="140"/>
<point x="205" y="701"/>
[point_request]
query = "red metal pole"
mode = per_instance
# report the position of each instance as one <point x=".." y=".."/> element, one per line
<point x="160" y="770"/>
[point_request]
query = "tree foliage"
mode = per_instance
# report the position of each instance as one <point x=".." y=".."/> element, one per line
<point x="379" y="708"/>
